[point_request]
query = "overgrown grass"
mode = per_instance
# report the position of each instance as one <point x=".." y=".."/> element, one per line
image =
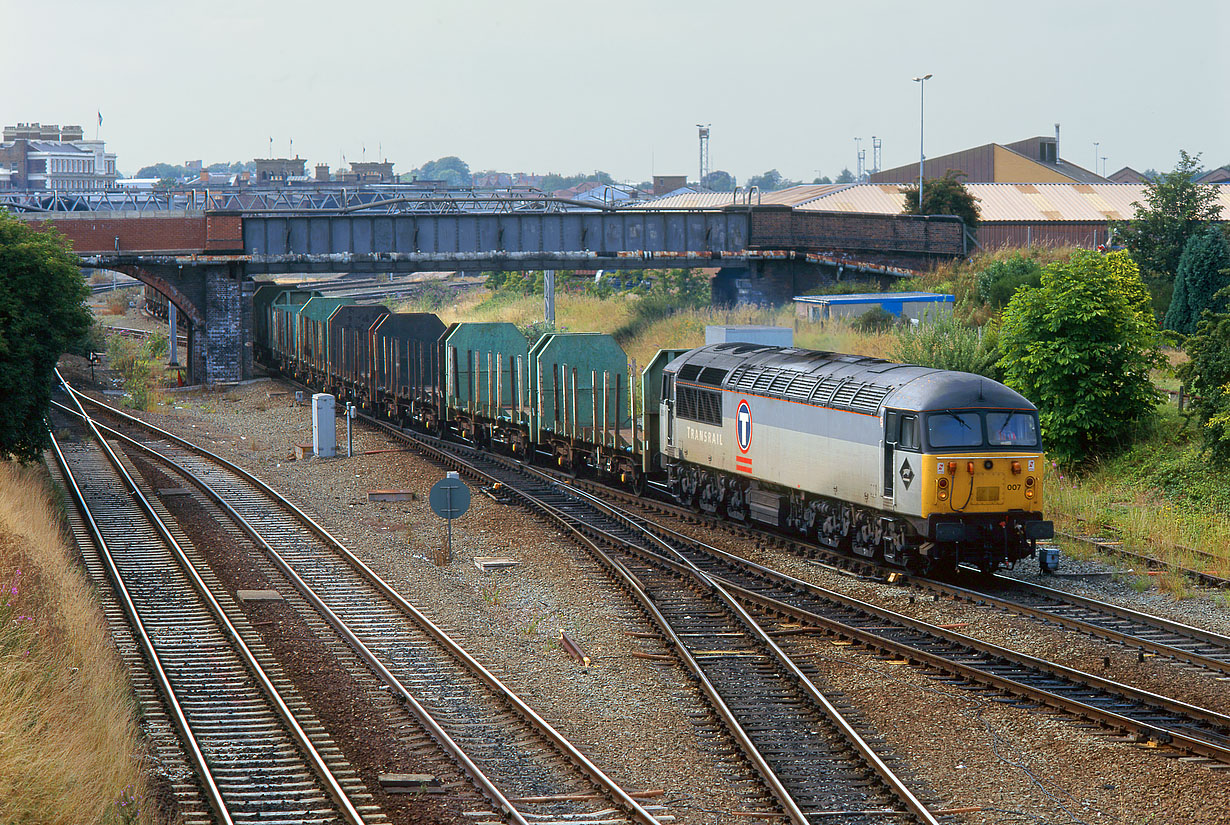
<point x="1158" y="494"/>
<point x="68" y="736"/>
<point x="140" y="365"/>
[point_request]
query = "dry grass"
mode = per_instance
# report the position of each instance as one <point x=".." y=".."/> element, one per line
<point x="686" y="328"/>
<point x="69" y="750"/>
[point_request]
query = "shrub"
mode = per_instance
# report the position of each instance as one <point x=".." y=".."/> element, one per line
<point x="1001" y="279"/>
<point x="948" y="344"/>
<point x="1207" y="376"/>
<point x="1204" y="270"/>
<point x="877" y="319"/>
<point x="1080" y="346"/>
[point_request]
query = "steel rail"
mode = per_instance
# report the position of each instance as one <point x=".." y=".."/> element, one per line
<point x="898" y="787"/>
<point x="421" y="713"/>
<point x="1153" y="732"/>
<point x="317" y="762"/>
<point x="519" y="705"/>
<point x="570" y="524"/>
<point x="204" y="774"/>
<point x="1117" y="549"/>
<point x="949" y="588"/>
<point x="873" y="640"/>
<point x="1051" y="614"/>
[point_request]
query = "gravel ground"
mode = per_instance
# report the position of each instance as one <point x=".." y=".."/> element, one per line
<point x="1020" y="763"/>
<point x="639" y="720"/>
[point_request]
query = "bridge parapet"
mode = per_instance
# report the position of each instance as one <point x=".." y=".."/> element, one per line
<point x="781" y="227"/>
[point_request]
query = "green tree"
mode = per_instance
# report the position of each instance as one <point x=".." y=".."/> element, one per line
<point x="41" y="315"/>
<point x="822" y="179"/>
<point x="1175" y="208"/>
<point x="1207" y="377"/>
<point x="719" y="181"/>
<point x="1080" y="346"/>
<point x="767" y="182"/>
<point x="1204" y="270"/>
<point x="846" y="176"/>
<point x="452" y="170"/>
<point x="943" y="196"/>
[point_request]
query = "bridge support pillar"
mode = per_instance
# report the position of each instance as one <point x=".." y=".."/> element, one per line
<point x="214" y="303"/>
<point x="227" y="338"/>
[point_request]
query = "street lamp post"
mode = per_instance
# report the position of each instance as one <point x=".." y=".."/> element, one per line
<point x="921" y="81"/>
<point x="1096" y="144"/>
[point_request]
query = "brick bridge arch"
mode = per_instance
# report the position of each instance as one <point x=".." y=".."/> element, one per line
<point x="172" y="293"/>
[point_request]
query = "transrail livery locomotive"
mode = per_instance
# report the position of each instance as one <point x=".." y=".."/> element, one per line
<point x="922" y="468"/>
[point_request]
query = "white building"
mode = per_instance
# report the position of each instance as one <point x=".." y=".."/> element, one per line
<point x="56" y="165"/>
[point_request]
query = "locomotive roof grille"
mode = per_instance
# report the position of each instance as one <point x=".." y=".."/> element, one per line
<point x="713" y="376"/>
<point x="689" y="372"/>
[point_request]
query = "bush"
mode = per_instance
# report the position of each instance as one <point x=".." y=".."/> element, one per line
<point x="948" y="344"/>
<point x="877" y="319"/>
<point x="1080" y="346"/>
<point x="1204" y="271"/>
<point x="135" y="362"/>
<point x="1207" y="376"/>
<point x="1001" y="279"/>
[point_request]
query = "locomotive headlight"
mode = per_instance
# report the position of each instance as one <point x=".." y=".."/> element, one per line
<point x="1016" y="468"/>
<point x="1029" y="481"/>
<point x="988" y="464"/>
<point x="1029" y="493"/>
<point x="943" y="482"/>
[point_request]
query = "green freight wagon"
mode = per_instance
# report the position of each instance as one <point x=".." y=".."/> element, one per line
<point x="314" y="337"/>
<point x="484" y="382"/>
<point x="581" y="412"/>
<point x="284" y="328"/>
<point x="406" y="355"/>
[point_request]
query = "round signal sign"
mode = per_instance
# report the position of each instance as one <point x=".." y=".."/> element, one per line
<point x="743" y="425"/>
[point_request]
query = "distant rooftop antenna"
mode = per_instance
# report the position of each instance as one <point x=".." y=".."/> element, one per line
<point x="859" y="157"/>
<point x="704" y="150"/>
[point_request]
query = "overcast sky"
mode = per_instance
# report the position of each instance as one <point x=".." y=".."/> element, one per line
<point x="567" y="85"/>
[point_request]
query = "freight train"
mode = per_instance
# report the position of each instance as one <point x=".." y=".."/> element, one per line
<point x="918" y="467"/>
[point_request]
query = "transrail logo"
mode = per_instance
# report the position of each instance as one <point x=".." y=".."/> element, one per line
<point x="743" y="425"/>
<point x="704" y="436"/>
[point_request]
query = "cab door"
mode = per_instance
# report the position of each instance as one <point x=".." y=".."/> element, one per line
<point x="892" y="432"/>
<point x="668" y="409"/>
<point x="901" y="460"/>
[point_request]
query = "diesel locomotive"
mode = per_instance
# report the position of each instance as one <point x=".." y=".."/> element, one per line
<point x="919" y="467"/>
<point x="925" y="468"/>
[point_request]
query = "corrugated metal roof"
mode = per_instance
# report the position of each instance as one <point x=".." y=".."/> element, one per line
<point x="790" y="196"/>
<point x="999" y="202"/>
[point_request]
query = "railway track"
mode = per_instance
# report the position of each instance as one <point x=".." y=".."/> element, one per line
<point x="1114" y="548"/>
<point x="1149" y="718"/>
<point x="1192" y="646"/>
<point x="526" y="768"/>
<point x="811" y="758"/>
<point x="258" y="754"/>
<point x="1150" y="634"/>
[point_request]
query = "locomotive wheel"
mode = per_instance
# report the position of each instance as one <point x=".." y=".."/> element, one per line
<point x="638" y="485"/>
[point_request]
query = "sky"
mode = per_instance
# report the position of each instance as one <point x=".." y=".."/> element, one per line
<point x="571" y="86"/>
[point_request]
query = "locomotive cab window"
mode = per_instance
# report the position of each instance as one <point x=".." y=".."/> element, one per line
<point x="909" y="439"/>
<point x="954" y="429"/>
<point x="1012" y="429"/>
